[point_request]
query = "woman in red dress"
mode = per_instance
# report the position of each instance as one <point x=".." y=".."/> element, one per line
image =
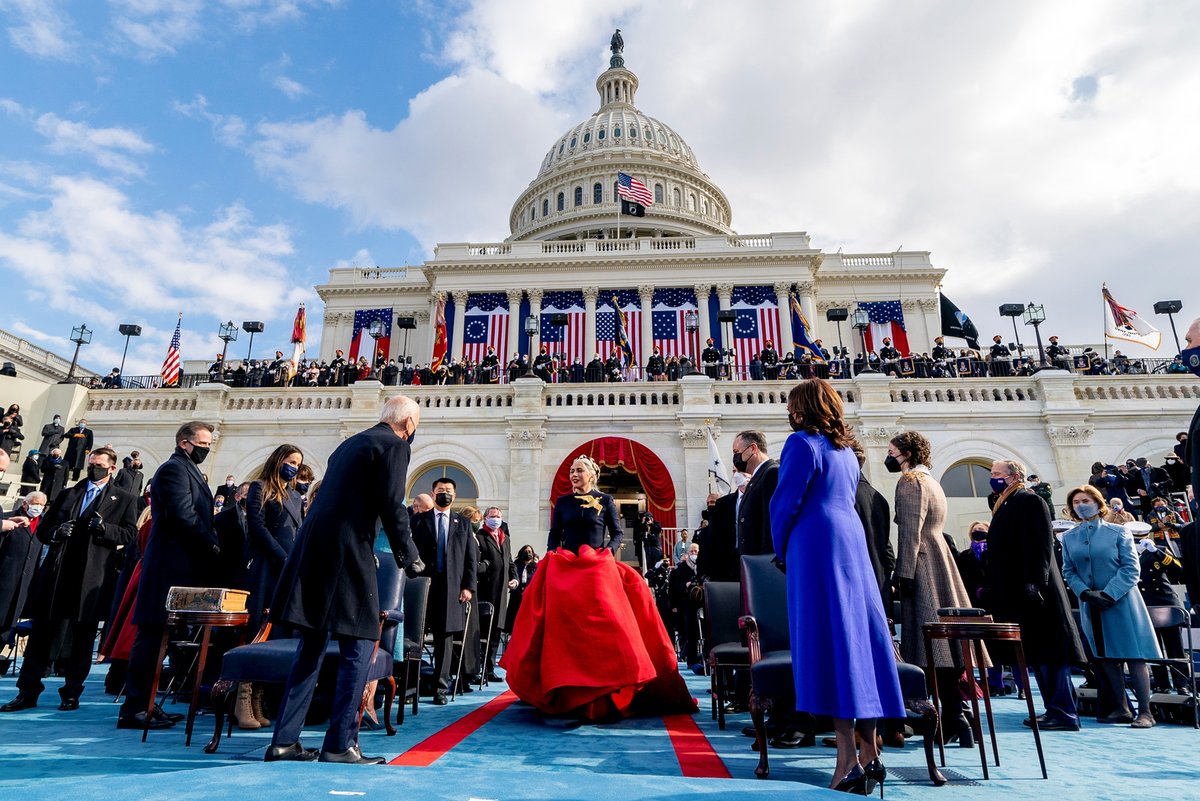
<point x="588" y="640"/>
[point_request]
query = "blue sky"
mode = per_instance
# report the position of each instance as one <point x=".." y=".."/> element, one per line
<point x="218" y="157"/>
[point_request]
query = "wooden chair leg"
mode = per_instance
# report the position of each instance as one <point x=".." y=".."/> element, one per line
<point x="758" y="716"/>
<point x="930" y="728"/>
<point x="221" y="694"/>
<point x="1033" y="723"/>
<point x="387" y="706"/>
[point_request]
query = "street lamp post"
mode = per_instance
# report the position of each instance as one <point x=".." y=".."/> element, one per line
<point x="82" y="335"/>
<point x="375" y="329"/>
<point x="127" y="330"/>
<point x="1014" y="310"/>
<point x="691" y="321"/>
<point x="531" y="330"/>
<point x="252" y="327"/>
<point x="1035" y="315"/>
<point x="406" y="323"/>
<point x="1170" y="308"/>
<point x="862" y="321"/>
<point x="226" y="333"/>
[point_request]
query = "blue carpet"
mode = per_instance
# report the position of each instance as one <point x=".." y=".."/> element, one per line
<point x="56" y="755"/>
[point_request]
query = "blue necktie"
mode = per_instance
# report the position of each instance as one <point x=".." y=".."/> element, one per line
<point x="441" y="542"/>
<point x="89" y="496"/>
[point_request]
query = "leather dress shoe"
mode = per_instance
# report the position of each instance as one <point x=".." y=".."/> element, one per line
<point x="351" y="756"/>
<point x="493" y="676"/>
<point x="1056" y="724"/>
<point x="439" y="699"/>
<point x="138" y="721"/>
<point x="1041" y="719"/>
<point x="793" y="739"/>
<point x="290" y="753"/>
<point x="68" y="705"/>
<point x="772" y="731"/>
<point x="1118" y="718"/>
<point x="174" y="717"/>
<point x="19" y="703"/>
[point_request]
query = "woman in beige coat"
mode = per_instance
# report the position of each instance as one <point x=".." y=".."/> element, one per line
<point x="926" y="575"/>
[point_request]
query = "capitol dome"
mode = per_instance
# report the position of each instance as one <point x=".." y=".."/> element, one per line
<point x="574" y="193"/>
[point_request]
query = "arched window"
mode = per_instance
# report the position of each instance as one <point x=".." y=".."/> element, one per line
<point x="574" y="141"/>
<point x="707" y="209"/>
<point x="614" y="194"/>
<point x="675" y="197"/>
<point x="633" y="133"/>
<point x="617" y="132"/>
<point x="561" y="203"/>
<point x="597" y="193"/>
<point x="600" y="134"/>
<point x="968" y="479"/>
<point x="587" y="137"/>
<point x="465" y="489"/>
<point x="546" y="207"/>
<point x="579" y="196"/>
<point x="658" y="193"/>
<point x="691" y="201"/>
<point x="560" y="148"/>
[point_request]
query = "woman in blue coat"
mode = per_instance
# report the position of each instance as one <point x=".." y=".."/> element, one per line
<point x="843" y="661"/>
<point x="1100" y="565"/>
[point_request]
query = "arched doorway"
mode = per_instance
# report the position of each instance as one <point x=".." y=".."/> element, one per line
<point x="623" y="461"/>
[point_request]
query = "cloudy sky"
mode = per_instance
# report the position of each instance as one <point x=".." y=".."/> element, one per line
<point x="217" y="157"/>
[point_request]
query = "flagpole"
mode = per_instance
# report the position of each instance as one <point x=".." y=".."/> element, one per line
<point x="1104" y="317"/>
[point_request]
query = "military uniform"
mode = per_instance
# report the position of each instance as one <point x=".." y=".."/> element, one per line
<point x="711" y="358"/>
<point x="656" y="367"/>
<point x="770" y="362"/>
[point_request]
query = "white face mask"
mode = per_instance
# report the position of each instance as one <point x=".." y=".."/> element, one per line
<point x="35" y="510"/>
<point x="692" y="558"/>
<point x="493" y="522"/>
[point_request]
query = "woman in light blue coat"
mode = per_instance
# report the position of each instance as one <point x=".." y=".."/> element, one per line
<point x="1100" y="565"/>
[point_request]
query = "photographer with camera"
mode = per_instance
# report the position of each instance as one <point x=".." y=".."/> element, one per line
<point x="84" y="527"/>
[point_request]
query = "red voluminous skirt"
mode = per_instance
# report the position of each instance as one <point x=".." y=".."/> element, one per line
<point x="588" y="641"/>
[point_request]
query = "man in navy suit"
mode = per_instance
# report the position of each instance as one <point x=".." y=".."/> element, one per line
<point x="83" y="527"/>
<point x="450" y="553"/>
<point x="182" y="551"/>
<point x="328" y="586"/>
<point x="754" y="508"/>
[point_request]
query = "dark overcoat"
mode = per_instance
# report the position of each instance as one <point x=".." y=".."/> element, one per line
<point x="75" y="579"/>
<point x="271" y="529"/>
<point x="328" y="582"/>
<point x="79" y="445"/>
<point x="754" y="514"/>
<point x="1021" y="552"/>
<point x="445" y="613"/>
<point x="19" y="550"/>
<point x="718" y="559"/>
<point x="182" y="548"/>
<point x="495" y="569"/>
<point x="52" y="435"/>
<point x="876" y="516"/>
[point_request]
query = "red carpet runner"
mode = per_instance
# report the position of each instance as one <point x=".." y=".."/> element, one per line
<point x="697" y="759"/>
<point x="432" y="748"/>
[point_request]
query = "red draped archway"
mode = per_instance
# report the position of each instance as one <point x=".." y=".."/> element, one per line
<point x="634" y="458"/>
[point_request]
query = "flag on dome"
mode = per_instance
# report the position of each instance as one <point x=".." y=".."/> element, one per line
<point x="1123" y="323"/>
<point x="170" y="368"/>
<point x="887" y="320"/>
<point x="631" y="188"/>
<point x="440" y="340"/>
<point x="298" y="341"/>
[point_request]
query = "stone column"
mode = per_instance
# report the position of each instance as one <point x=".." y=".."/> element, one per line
<point x="724" y="301"/>
<point x="526" y="435"/>
<point x="460" y="314"/>
<point x="515" y="323"/>
<point x="782" y="292"/>
<point x="646" y="293"/>
<point x="808" y="305"/>
<point x="535" y="310"/>
<point x="416" y="337"/>
<point x="590" y="295"/>
<point x="702" y="293"/>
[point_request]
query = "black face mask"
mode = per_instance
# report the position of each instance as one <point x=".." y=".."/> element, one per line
<point x="739" y="463"/>
<point x="892" y="464"/>
<point x="199" y="453"/>
<point x="97" y="472"/>
<point x="795" y="425"/>
<point x="443" y="499"/>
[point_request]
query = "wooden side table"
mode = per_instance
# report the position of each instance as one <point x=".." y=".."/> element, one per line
<point x="207" y="621"/>
<point x="970" y="634"/>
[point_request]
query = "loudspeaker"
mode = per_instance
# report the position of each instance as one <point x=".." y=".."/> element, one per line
<point x="1012" y="309"/>
<point x="406" y="323"/>
<point x="253" y="327"/>
<point x="837" y="315"/>
<point x="558" y="318"/>
<point x="726" y="316"/>
<point x="1168" y="307"/>
<point x="128" y="330"/>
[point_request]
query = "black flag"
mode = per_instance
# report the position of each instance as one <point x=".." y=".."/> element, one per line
<point x="631" y="209"/>
<point x="957" y="324"/>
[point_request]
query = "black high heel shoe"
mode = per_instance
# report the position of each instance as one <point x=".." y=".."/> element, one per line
<point x="876" y="774"/>
<point x="854" y="783"/>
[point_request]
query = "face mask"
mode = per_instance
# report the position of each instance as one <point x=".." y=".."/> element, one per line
<point x="1160" y="509"/>
<point x="97" y="472"/>
<point x="1191" y="358"/>
<point x="443" y="499"/>
<point x="288" y="471"/>
<point x="692" y="558"/>
<point x="35" y="510"/>
<point x="739" y="463"/>
<point x="302" y="487"/>
<point x="999" y="484"/>
<point x="493" y="522"/>
<point x="199" y="453"/>
<point x="978" y="536"/>
<point x="1086" y="510"/>
<point x="1116" y="507"/>
<point x="892" y="464"/>
<point x="57" y="421"/>
<point x="796" y="426"/>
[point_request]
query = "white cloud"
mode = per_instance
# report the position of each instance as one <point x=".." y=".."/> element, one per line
<point x="1035" y="150"/>
<point x="41" y="28"/>
<point x="90" y="254"/>
<point x="12" y="107"/>
<point x="111" y="148"/>
<point x="229" y="129"/>
<point x="151" y="28"/>
<point x="293" y="89"/>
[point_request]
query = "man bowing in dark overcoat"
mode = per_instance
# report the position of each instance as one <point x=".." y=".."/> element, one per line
<point x="497" y="574"/>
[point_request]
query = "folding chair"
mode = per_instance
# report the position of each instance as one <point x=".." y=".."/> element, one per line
<point x="461" y="642"/>
<point x="1169" y="617"/>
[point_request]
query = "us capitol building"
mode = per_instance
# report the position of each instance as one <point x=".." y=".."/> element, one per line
<point x="571" y="257"/>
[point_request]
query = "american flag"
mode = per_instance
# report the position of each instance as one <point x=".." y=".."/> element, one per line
<point x="671" y="307"/>
<point x="170" y="368"/>
<point x="631" y="188"/>
<point x="887" y="320"/>
<point x="606" y="322"/>
<point x="486" y="325"/>
<point x="570" y="340"/>
<point x="757" y="321"/>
